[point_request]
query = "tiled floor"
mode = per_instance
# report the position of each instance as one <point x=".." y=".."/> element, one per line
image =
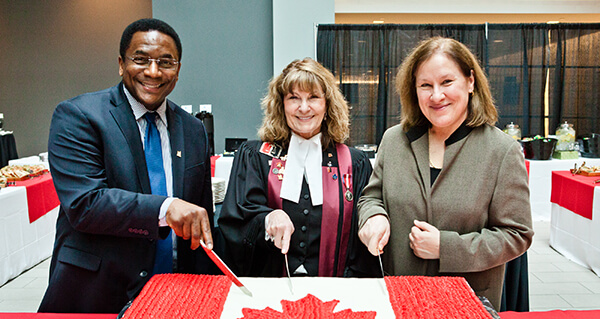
<point x="554" y="281"/>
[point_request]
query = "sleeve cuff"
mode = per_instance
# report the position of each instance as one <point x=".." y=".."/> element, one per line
<point x="162" y="221"/>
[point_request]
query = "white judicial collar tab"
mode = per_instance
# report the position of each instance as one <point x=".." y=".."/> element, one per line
<point x="304" y="159"/>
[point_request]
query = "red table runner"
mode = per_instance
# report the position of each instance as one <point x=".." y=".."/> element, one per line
<point x="41" y="196"/>
<point x="574" y="192"/>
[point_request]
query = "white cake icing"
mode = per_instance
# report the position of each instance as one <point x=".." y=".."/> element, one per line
<point x="353" y="293"/>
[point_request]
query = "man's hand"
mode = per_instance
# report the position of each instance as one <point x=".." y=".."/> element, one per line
<point x="425" y="240"/>
<point x="375" y="234"/>
<point x="280" y="229"/>
<point x="189" y="221"/>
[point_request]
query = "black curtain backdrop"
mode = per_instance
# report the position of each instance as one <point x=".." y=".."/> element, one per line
<point x="575" y="76"/>
<point x="519" y="59"/>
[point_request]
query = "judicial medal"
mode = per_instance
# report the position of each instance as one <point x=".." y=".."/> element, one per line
<point x="349" y="195"/>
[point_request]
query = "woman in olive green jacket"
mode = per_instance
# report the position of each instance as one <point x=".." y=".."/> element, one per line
<point x="449" y="194"/>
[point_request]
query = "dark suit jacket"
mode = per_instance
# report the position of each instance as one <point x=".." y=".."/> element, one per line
<point x="107" y="226"/>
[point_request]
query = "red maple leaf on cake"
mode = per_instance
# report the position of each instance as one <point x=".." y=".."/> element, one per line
<point x="309" y="307"/>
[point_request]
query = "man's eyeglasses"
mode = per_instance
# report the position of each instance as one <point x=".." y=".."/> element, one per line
<point x="163" y="63"/>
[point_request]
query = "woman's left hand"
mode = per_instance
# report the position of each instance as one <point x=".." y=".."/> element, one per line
<point x="425" y="240"/>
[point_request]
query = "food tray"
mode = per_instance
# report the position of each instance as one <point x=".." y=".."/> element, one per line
<point x="584" y="173"/>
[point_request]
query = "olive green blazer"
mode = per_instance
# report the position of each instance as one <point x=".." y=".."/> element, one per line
<point x="479" y="202"/>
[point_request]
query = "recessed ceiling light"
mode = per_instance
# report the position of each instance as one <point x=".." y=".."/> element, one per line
<point x="377" y="21"/>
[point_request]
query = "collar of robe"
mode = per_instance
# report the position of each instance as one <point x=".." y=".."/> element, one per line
<point x="304" y="159"/>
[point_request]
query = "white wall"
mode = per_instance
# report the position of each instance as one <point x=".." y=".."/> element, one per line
<point x="467" y="6"/>
<point x="294" y="29"/>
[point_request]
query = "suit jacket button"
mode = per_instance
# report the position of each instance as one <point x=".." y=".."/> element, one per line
<point x="143" y="274"/>
<point x="302" y="244"/>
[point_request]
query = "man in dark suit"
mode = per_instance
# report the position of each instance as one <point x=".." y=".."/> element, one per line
<point x="105" y="174"/>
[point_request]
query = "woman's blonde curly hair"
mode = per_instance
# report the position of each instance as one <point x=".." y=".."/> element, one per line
<point x="305" y="75"/>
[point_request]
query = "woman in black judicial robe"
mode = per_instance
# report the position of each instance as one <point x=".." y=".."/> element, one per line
<point x="295" y="191"/>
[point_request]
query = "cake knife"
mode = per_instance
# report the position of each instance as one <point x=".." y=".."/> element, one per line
<point x="380" y="264"/>
<point x="382" y="273"/>
<point x="215" y="258"/>
<point x="287" y="268"/>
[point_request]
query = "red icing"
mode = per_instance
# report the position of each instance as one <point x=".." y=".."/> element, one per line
<point x="180" y="296"/>
<point x="434" y="297"/>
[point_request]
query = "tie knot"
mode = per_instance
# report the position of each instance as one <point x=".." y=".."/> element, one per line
<point x="150" y="118"/>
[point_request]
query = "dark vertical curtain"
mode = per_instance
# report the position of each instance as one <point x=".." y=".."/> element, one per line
<point x="575" y="76"/>
<point x="517" y="69"/>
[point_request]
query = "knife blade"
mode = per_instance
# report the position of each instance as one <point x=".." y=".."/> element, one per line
<point x="380" y="264"/>
<point x="287" y="268"/>
<point x="215" y="258"/>
<point x="383" y="288"/>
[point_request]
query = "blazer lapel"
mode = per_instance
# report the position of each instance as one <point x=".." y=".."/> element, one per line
<point x="176" y="136"/>
<point x="123" y="115"/>
<point x="419" y="142"/>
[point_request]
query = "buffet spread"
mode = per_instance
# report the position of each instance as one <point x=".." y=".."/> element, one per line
<point x="14" y="173"/>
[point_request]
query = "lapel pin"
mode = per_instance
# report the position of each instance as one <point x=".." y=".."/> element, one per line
<point x="178" y="153"/>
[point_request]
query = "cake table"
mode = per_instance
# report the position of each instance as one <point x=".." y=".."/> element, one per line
<point x="203" y="296"/>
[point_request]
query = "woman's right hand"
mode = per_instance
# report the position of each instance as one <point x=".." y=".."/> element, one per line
<point x="375" y="234"/>
<point x="280" y="228"/>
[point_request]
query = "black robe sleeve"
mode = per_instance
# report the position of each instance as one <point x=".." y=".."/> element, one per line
<point x="242" y="218"/>
<point x="360" y="262"/>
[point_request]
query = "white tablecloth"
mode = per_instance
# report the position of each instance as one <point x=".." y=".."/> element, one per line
<point x="540" y="183"/>
<point x="22" y="245"/>
<point x="223" y="168"/>
<point x="358" y="294"/>
<point x="577" y="237"/>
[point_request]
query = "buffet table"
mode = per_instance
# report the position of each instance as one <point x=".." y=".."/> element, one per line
<point x="27" y="225"/>
<point x="575" y="222"/>
<point x="540" y="181"/>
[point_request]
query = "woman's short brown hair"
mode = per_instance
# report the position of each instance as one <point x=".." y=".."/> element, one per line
<point x="481" y="109"/>
<point x="306" y="75"/>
